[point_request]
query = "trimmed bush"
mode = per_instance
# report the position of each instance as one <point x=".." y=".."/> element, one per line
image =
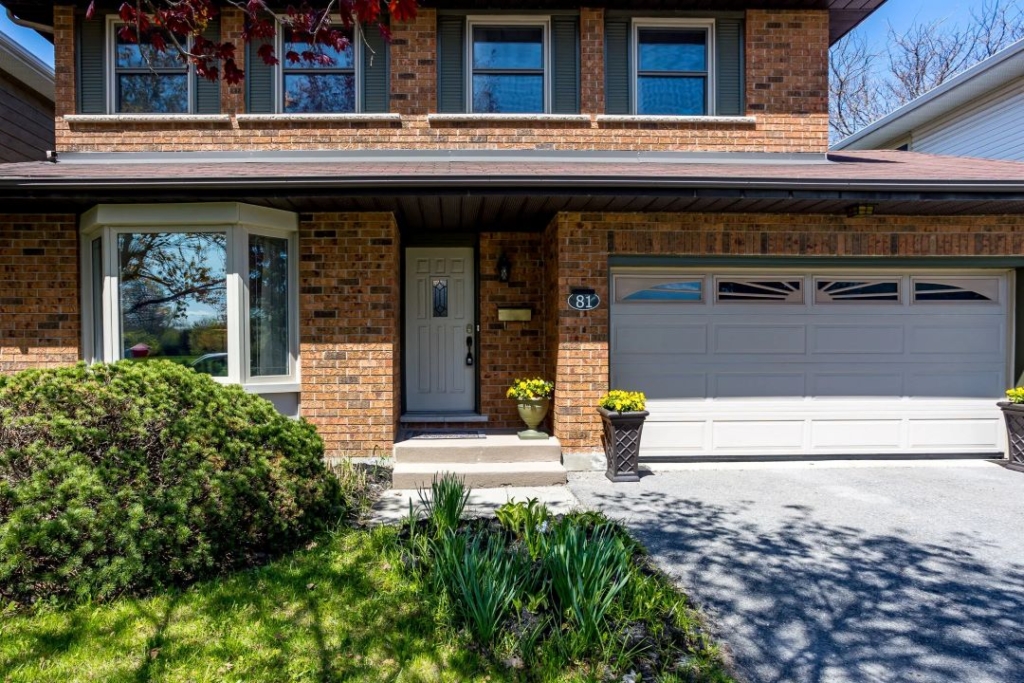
<point x="127" y="477"/>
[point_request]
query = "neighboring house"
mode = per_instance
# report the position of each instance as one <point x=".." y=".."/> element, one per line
<point x="333" y="237"/>
<point x="974" y="114"/>
<point x="26" y="104"/>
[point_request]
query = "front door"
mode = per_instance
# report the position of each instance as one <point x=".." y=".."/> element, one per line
<point x="440" y="330"/>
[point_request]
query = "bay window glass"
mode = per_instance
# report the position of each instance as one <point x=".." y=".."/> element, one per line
<point x="208" y="286"/>
<point x="672" y="70"/>
<point x="269" y="327"/>
<point x="172" y="298"/>
<point x="325" y="85"/>
<point x="508" y="74"/>
<point x="149" y="81"/>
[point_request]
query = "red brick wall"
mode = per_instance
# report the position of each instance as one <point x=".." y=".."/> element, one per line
<point x="349" y="330"/>
<point x="232" y="95"/>
<point x="414" y="64"/>
<point x="786" y="93"/>
<point x="787" y="71"/>
<point x="65" y="98"/>
<point x="509" y="349"/>
<point x="578" y="246"/>
<point x="40" y="322"/>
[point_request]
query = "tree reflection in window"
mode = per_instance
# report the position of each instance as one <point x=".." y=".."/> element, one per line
<point x="172" y="296"/>
<point x="790" y="291"/>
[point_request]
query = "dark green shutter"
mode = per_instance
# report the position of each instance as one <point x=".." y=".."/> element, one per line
<point x="565" y="68"/>
<point x="207" y="91"/>
<point x="729" y="48"/>
<point x="92" y="52"/>
<point x="616" y="66"/>
<point x="259" y="80"/>
<point x="451" y="68"/>
<point x="376" y="74"/>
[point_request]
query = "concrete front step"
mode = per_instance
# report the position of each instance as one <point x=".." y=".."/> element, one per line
<point x="477" y="475"/>
<point x="494" y="448"/>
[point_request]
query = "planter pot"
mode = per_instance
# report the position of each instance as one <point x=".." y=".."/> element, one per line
<point x="622" y="443"/>
<point x="1013" y="413"/>
<point x="533" y="411"/>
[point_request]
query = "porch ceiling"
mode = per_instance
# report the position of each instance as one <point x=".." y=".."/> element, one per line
<point x="467" y="191"/>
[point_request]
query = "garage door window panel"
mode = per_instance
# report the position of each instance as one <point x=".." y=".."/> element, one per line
<point x="950" y="290"/>
<point x="655" y="289"/>
<point x="852" y="290"/>
<point x="788" y="290"/>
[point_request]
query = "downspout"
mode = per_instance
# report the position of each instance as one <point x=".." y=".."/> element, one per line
<point x="41" y="28"/>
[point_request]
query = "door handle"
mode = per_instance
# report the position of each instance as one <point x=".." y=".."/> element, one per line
<point x="469" y="350"/>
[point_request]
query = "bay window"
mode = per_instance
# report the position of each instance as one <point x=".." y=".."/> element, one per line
<point x="209" y="286"/>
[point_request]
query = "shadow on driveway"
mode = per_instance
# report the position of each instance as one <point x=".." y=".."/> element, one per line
<point x="799" y="598"/>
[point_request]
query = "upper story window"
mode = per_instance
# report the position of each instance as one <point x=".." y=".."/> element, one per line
<point x="673" y="67"/>
<point x="145" y="80"/>
<point x="325" y="84"/>
<point x="508" y="67"/>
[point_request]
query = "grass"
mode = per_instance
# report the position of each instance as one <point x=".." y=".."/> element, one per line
<point x="341" y="611"/>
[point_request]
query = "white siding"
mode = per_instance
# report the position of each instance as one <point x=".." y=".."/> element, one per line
<point x="991" y="127"/>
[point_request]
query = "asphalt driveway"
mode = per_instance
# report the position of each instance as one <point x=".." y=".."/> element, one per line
<point x="832" y="572"/>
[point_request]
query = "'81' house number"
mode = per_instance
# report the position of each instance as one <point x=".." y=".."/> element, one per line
<point x="584" y="300"/>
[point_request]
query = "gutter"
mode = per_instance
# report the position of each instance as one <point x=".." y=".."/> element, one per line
<point x="41" y="28"/>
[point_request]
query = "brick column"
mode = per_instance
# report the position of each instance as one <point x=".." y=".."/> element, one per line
<point x="349" y="293"/>
<point x="65" y="97"/>
<point x="577" y="341"/>
<point x="592" y="61"/>
<point x="414" y="64"/>
<point x="232" y="97"/>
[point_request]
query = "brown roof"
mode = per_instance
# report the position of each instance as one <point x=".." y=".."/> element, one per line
<point x="897" y="171"/>
<point x="466" y="190"/>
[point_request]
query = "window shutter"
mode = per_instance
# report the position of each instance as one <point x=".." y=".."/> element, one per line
<point x="729" y="67"/>
<point x="376" y="72"/>
<point x="451" y="68"/>
<point x="565" y="67"/>
<point x="207" y="91"/>
<point x="92" y="54"/>
<point x="259" y="80"/>
<point x="616" y="66"/>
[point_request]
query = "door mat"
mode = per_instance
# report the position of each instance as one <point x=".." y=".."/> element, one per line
<point x="418" y="434"/>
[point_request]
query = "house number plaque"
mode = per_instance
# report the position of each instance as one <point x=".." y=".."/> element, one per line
<point x="584" y="300"/>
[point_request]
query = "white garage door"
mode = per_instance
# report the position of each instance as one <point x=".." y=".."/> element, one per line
<point x="746" y="364"/>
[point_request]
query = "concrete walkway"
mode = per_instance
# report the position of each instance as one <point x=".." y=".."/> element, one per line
<point x="833" y="572"/>
<point x="393" y="505"/>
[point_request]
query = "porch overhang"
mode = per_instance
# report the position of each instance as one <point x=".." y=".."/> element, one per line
<point x="522" y="190"/>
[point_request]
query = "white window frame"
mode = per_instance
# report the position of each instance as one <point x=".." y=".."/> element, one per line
<point x="238" y="221"/>
<point x="707" y="25"/>
<point x="113" y="22"/>
<point x="498" y="21"/>
<point x="357" y="65"/>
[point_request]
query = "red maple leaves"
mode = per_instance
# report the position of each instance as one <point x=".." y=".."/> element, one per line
<point x="180" y="25"/>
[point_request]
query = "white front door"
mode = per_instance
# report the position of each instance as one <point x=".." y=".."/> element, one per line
<point x="440" y="330"/>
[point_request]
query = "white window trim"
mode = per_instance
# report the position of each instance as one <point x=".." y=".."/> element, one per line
<point x="357" y="66"/>
<point x="634" y="58"/>
<point x="497" y="20"/>
<point x="238" y="221"/>
<point x="113" y="21"/>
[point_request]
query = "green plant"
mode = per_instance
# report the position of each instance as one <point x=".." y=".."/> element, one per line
<point x="445" y="503"/>
<point x="126" y="477"/>
<point x="483" y="577"/>
<point x="523" y="389"/>
<point x="623" y="401"/>
<point x="587" y="570"/>
<point x="528" y="521"/>
<point x="1015" y="395"/>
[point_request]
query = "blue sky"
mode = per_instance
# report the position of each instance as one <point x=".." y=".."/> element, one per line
<point x="901" y="14"/>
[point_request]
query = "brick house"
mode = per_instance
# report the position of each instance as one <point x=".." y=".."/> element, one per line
<point x="334" y="239"/>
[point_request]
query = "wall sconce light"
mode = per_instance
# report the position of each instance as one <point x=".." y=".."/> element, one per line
<point x="857" y="210"/>
<point x="504" y="268"/>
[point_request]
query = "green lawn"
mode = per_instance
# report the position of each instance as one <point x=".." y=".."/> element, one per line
<point x="342" y="611"/>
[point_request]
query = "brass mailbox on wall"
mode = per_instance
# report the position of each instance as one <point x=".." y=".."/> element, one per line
<point x="515" y="314"/>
